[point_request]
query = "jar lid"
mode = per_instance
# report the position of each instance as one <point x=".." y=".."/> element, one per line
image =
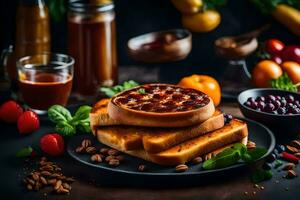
<point x="90" y="5"/>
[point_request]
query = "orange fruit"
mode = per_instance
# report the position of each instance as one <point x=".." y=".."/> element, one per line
<point x="264" y="72"/>
<point x="293" y="70"/>
<point x="203" y="83"/>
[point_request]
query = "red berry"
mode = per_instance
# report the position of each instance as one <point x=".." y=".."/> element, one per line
<point x="52" y="144"/>
<point x="28" y="122"/>
<point x="10" y="111"/>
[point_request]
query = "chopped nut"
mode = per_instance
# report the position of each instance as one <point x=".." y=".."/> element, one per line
<point x="66" y="186"/>
<point x="197" y="160"/>
<point x="96" y="158"/>
<point x="142" y="168"/>
<point x="113" y="152"/>
<point x="57" y="185"/>
<point x="43" y="180"/>
<point x="251" y="145"/>
<point x="291" y="149"/>
<point x="86" y="143"/>
<point x="289" y="166"/>
<point x="79" y="149"/>
<point x="295" y="143"/>
<point x="91" y="150"/>
<point x="52" y="181"/>
<point x="181" y="168"/>
<point x="29" y="187"/>
<point x="108" y="158"/>
<point x="291" y="174"/>
<point x="45" y="173"/>
<point x="114" y="162"/>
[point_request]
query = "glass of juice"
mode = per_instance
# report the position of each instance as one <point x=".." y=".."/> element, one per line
<point x="45" y="79"/>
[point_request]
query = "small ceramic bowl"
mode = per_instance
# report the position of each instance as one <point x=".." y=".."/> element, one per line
<point x="280" y="124"/>
<point x="160" y="47"/>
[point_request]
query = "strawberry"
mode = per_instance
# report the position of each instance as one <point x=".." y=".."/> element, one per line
<point x="52" y="144"/>
<point x="10" y="111"/>
<point x="28" y="122"/>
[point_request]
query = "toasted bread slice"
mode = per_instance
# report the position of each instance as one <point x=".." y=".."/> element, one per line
<point x="156" y="139"/>
<point x="233" y="132"/>
<point x="99" y="115"/>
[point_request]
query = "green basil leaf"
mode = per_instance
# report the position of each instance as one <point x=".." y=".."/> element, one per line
<point x="129" y="84"/>
<point x="84" y="127"/>
<point x="107" y="91"/>
<point x="226" y="158"/>
<point x="58" y="113"/>
<point x="25" y="152"/>
<point x="141" y="91"/>
<point x="241" y="148"/>
<point x="277" y="163"/>
<point x="65" y="129"/>
<point x="257" y="153"/>
<point x="82" y="113"/>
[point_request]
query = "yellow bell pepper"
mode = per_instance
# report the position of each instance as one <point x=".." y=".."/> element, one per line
<point x="288" y="16"/>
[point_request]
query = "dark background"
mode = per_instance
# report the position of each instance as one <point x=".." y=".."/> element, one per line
<point x="136" y="17"/>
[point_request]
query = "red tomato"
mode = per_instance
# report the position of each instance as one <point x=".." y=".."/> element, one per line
<point x="291" y="53"/>
<point x="277" y="59"/>
<point x="52" y="144"/>
<point x="274" y="46"/>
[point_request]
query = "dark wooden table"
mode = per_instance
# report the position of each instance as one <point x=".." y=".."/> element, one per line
<point x="230" y="186"/>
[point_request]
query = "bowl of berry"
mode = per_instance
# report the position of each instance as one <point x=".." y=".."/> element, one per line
<point x="277" y="109"/>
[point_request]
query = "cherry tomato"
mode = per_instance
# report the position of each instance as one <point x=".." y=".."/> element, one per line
<point x="277" y="59"/>
<point x="274" y="46"/>
<point x="291" y="53"/>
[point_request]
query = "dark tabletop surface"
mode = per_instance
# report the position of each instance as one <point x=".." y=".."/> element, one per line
<point x="89" y="184"/>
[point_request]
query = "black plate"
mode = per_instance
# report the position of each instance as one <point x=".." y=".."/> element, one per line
<point x="161" y="174"/>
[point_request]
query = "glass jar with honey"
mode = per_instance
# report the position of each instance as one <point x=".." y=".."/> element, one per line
<point x="92" y="43"/>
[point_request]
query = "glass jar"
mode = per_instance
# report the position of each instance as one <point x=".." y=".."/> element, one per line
<point x="92" y="43"/>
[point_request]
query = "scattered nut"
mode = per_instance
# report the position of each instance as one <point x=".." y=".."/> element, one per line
<point x="57" y="184"/>
<point x="141" y="168"/>
<point x="291" y="174"/>
<point x="181" y="168"/>
<point x="114" y="162"/>
<point x="43" y="180"/>
<point x="86" y="143"/>
<point x="108" y="158"/>
<point x="251" y="145"/>
<point x="67" y="186"/>
<point x="96" y="158"/>
<point x="91" y="150"/>
<point x="197" y="160"/>
<point x="79" y="149"/>
<point x="295" y="143"/>
<point x="29" y="187"/>
<point x="113" y="152"/>
<point x="289" y="166"/>
<point x="45" y="173"/>
<point x="291" y="149"/>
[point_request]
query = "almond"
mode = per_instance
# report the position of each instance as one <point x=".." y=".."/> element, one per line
<point x="291" y="149"/>
<point x="181" y="168"/>
<point x="291" y="174"/>
<point x="86" y="143"/>
<point x="288" y="166"/>
<point x="295" y="143"/>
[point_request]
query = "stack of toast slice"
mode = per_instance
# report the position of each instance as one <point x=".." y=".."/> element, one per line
<point x="167" y="146"/>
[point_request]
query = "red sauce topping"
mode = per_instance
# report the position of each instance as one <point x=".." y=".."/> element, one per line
<point x="161" y="99"/>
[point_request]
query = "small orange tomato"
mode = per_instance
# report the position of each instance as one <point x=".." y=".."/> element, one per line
<point x="293" y="70"/>
<point x="264" y="72"/>
<point x="203" y="83"/>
